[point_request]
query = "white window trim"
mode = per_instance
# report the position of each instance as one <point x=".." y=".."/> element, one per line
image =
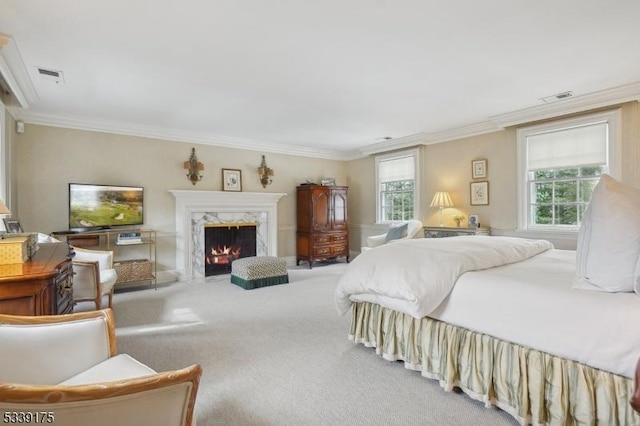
<point x="611" y="117"/>
<point x="415" y="152"/>
<point x="4" y="166"/>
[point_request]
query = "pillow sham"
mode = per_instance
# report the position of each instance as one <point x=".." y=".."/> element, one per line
<point x="396" y="232"/>
<point x="608" y="249"/>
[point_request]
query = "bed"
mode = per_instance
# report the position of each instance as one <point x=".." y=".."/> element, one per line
<point x="500" y="320"/>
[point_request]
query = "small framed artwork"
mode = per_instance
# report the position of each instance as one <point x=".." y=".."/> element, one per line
<point x="479" y="169"/>
<point x="480" y="193"/>
<point x="231" y="180"/>
<point x="474" y="221"/>
<point x="12" y="226"/>
<point x="328" y="182"/>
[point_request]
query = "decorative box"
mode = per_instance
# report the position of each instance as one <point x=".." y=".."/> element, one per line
<point x="11" y="270"/>
<point x="14" y="250"/>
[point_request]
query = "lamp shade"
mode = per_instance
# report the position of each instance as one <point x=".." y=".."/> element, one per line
<point x="3" y="208"/>
<point x="441" y="199"/>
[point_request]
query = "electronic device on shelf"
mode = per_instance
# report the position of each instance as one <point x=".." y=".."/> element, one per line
<point x="129" y="238"/>
<point x="94" y="207"/>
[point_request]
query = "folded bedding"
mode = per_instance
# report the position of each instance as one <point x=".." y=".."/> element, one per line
<point x="414" y="276"/>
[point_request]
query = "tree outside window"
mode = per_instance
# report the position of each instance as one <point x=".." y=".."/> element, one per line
<point x="397" y="200"/>
<point x="560" y="196"/>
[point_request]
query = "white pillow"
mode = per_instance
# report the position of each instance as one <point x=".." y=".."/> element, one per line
<point x="608" y="250"/>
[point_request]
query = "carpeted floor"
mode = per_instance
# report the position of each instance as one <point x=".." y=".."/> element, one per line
<point x="280" y="356"/>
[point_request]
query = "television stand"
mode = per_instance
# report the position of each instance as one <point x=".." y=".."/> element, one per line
<point x="134" y="251"/>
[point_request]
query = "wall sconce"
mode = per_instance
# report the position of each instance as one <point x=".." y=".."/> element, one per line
<point x="194" y="167"/>
<point x="265" y="173"/>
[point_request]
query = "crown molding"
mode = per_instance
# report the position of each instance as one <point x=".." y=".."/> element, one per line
<point x="603" y="98"/>
<point x="15" y="74"/>
<point x="392" y="144"/>
<point x="461" y="132"/>
<point x="589" y="101"/>
<point x="130" y="129"/>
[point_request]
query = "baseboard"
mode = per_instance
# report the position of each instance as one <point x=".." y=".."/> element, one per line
<point x="291" y="260"/>
<point x="163" y="277"/>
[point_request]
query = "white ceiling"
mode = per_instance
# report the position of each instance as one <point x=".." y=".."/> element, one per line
<point x="327" y="78"/>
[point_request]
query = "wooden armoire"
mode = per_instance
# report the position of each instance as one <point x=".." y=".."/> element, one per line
<point x="322" y="232"/>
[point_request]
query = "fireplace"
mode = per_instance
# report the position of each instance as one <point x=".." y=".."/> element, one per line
<point x="196" y="210"/>
<point x="226" y="242"/>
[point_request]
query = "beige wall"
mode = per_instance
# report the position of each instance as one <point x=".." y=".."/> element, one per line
<point x="48" y="158"/>
<point x="631" y="143"/>
<point x="447" y="167"/>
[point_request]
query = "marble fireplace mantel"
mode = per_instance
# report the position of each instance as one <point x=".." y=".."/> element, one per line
<point x="195" y="208"/>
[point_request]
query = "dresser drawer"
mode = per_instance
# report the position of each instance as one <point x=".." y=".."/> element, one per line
<point x="330" y="238"/>
<point x="322" y="239"/>
<point x="322" y="251"/>
<point x="339" y="249"/>
<point x="339" y="238"/>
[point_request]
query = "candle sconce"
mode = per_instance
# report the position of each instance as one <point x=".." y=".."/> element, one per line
<point x="193" y="167"/>
<point x="265" y="173"/>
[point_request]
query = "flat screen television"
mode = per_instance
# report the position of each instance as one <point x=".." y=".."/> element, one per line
<point x="93" y="207"/>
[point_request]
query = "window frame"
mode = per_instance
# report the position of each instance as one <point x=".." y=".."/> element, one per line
<point x="613" y="168"/>
<point x="4" y="160"/>
<point x="415" y="153"/>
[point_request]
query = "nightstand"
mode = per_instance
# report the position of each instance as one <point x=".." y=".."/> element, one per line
<point x="441" y="231"/>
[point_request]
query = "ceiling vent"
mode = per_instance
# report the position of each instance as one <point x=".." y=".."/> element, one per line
<point x="557" y="96"/>
<point x="51" y="75"/>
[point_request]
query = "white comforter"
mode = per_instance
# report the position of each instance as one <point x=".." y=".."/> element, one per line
<point x="414" y="276"/>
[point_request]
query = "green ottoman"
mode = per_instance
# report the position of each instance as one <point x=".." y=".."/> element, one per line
<point x="259" y="271"/>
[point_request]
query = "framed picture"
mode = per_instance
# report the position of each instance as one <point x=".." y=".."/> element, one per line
<point x="12" y="226"/>
<point x="480" y="193"/>
<point x="328" y="182"/>
<point x="479" y="169"/>
<point x="474" y="221"/>
<point x="231" y="180"/>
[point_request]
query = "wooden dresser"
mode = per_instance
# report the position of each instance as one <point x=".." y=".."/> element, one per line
<point x="40" y="286"/>
<point x="322" y="232"/>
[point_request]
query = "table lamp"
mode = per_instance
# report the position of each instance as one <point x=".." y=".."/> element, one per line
<point x="4" y="211"/>
<point x="441" y="199"/>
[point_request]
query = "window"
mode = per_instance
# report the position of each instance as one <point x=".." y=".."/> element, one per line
<point x="559" y="165"/>
<point x="397" y="186"/>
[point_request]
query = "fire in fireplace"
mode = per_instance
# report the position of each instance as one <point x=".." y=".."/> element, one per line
<point x="226" y="242"/>
<point x="224" y="255"/>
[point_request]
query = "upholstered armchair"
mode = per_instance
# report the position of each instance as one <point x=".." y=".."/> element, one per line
<point x="66" y="367"/>
<point x="396" y="231"/>
<point x="94" y="276"/>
